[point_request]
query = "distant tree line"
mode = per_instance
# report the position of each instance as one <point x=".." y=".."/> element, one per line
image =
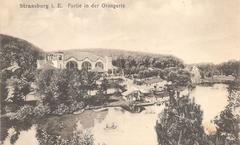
<point x="226" y="68"/>
<point x="146" y="66"/>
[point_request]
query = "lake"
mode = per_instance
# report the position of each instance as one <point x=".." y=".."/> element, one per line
<point x="117" y="126"/>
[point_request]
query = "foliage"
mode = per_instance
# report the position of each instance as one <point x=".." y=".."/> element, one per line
<point x="19" y="51"/>
<point x="76" y="106"/>
<point x="52" y="87"/>
<point x="112" y="83"/>
<point x="208" y="70"/>
<point x="78" y="138"/>
<point x="17" y="126"/>
<point x="180" y="123"/>
<point x="64" y="86"/>
<point x="3" y="90"/>
<point x="27" y="112"/>
<point x="61" y="109"/>
<point x="226" y="68"/>
<point x="41" y="110"/>
<point x="24" y="113"/>
<point x="68" y="90"/>
<point x="179" y="78"/>
<point x="136" y="64"/>
<point x="24" y="55"/>
<point x="149" y="73"/>
<point x="228" y="121"/>
<point x="14" y="137"/>
<point x="234" y="95"/>
<point x="20" y="89"/>
<point x="227" y="128"/>
<point x="230" y="68"/>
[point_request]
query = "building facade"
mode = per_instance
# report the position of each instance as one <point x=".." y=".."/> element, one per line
<point x="195" y="75"/>
<point x="76" y="60"/>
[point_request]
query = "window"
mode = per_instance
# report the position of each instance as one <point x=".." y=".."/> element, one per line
<point x="72" y="65"/>
<point x="99" y="65"/>
<point x="86" y="65"/>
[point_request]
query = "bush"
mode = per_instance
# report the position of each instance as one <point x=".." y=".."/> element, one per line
<point x="24" y="113"/>
<point x="228" y="127"/>
<point x="78" y="138"/>
<point x="76" y="106"/>
<point x="61" y="109"/>
<point x="28" y="112"/>
<point x="40" y="110"/>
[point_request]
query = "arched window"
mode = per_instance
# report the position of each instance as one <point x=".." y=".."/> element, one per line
<point x="86" y="65"/>
<point x="72" y="65"/>
<point x="99" y="65"/>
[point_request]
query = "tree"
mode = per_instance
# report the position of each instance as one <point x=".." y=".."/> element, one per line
<point x="228" y="122"/>
<point x="80" y="83"/>
<point x="234" y="95"/>
<point x="20" y="89"/>
<point x="21" y="52"/>
<point x="180" y="124"/>
<point x="227" y="128"/>
<point x="208" y="70"/>
<point x="230" y="68"/>
<point x="180" y="79"/>
<point x="77" y="138"/>
<point x="104" y="86"/>
<point x="64" y="87"/>
<point x="52" y="86"/>
<point x="135" y="64"/>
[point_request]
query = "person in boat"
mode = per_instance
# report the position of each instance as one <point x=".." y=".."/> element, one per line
<point x="113" y="126"/>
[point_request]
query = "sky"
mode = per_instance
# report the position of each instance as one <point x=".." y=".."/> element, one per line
<point x="193" y="30"/>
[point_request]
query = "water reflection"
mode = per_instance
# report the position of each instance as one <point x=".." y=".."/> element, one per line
<point x="18" y="133"/>
<point x="212" y="100"/>
<point x="132" y="129"/>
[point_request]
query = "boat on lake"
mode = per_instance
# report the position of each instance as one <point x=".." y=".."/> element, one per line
<point x="110" y="127"/>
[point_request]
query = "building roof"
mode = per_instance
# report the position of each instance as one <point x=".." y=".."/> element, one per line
<point x="81" y="55"/>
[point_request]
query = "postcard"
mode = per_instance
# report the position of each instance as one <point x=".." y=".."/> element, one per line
<point x="120" y="72"/>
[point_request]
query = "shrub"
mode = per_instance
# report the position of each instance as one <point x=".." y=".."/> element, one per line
<point x="228" y="127"/>
<point x="24" y="113"/>
<point x="82" y="138"/>
<point x="78" y="138"/>
<point x="76" y="106"/>
<point x="61" y="109"/>
<point x="40" y="110"/>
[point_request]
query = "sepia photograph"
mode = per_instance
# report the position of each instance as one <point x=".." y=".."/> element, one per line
<point x="120" y="72"/>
